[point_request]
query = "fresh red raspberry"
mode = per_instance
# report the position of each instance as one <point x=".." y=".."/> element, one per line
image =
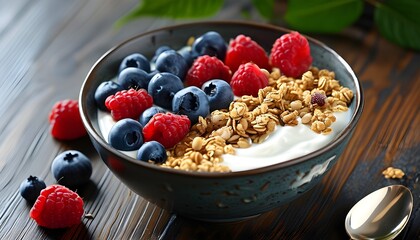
<point x="65" y="120"/>
<point x="57" y="207"/>
<point x="243" y="49"/>
<point x="291" y="54"/>
<point x="248" y="79"/>
<point x="166" y="128"/>
<point x="206" y="68"/>
<point x="128" y="103"/>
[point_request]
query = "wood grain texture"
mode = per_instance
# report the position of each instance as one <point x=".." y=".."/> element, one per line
<point x="46" y="49"/>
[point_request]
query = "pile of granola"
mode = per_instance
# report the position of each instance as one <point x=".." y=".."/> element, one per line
<point x="252" y="119"/>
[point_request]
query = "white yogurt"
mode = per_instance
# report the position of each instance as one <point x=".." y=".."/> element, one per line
<point x="285" y="143"/>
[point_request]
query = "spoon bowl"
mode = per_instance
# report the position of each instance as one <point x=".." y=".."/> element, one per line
<point x="380" y="215"/>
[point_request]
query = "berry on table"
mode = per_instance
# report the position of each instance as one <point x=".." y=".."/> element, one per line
<point x="128" y="103"/>
<point x="291" y="54"/>
<point x="172" y="62"/>
<point x="243" y="49"/>
<point x="65" y="120"/>
<point x="57" y="207"/>
<point x="133" y="78"/>
<point x="152" y="151"/>
<point x="31" y="187"/>
<point x="219" y="93"/>
<point x="105" y="90"/>
<point x="166" y="128"/>
<point x="135" y="60"/>
<point x="210" y="43"/>
<point x="71" y="168"/>
<point x="191" y="101"/>
<point x="206" y="68"/>
<point x="126" y="135"/>
<point x="162" y="88"/>
<point x="248" y="79"/>
<point x="149" y="113"/>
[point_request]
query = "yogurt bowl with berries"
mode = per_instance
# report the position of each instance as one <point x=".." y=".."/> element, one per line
<point x="208" y="120"/>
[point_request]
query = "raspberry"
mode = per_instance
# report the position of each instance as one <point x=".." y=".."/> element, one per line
<point x="65" y="120"/>
<point x="291" y="54"/>
<point x="206" y="68"/>
<point x="166" y="128"/>
<point x="57" y="207"/>
<point x="243" y="49"/>
<point x="128" y="103"/>
<point x="248" y="79"/>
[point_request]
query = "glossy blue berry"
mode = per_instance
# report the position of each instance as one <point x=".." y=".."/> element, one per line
<point x="219" y="93"/>
<point x="103" y="91"/>
<point x="149" y="113"/>
<point x="211" y="43"/>
<point x="71" y="168"/>
<point x="172" y="62"/>
<point x="31" y="187"/>
<point x="126" y="135"/>
<point x="191" y="101"/>
<point x="188" y="54"/>
<point x="135" y="60"/>
<point x="162" y="88"/>
<point x="133" y="78"/>
<point x="160" y="50"/>
<point x="152" y="151"/>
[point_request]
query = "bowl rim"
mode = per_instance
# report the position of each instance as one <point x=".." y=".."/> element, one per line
<point x="359" y="101"/>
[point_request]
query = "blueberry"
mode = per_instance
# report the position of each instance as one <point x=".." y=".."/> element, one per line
<point x="162" y="88"/>
<point x="149" y="113"/>
<point x="211" y="43"/>
<point x="172" y="62"/>
<point x="219" y="93"/>
<point x="133" y="78"/>
<point x="135" y="60"/>
<point x="188" y="54"/>
<point x="104" y="90"/>
<point x="191" y="101"/>
<point x="126" y="135"/>
<point x="71" y="168"/>
<point x="153" y="151"/>
<point x="31" y="187"/>
<point x="160" y="50"/>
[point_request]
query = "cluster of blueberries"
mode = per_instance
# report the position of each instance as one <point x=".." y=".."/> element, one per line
<point x="163" y="78"/>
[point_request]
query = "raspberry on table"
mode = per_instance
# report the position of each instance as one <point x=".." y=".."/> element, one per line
<point x="291" y="54"/>
<point x="248" y="80"/>
<point x="65" y="120"/>
<point x="57" y="207"/>
<point x="166" y="128"/>
<point x="128" y="103"/>
<point x="243" y="49"/>
<point x="206" y="68"/>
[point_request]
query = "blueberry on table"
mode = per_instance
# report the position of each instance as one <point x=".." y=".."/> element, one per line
<point x="135" y="60"/>
<point x="31" y="187"/>
<point x="171" y="61"/>
<point x="133" y="78"/>
<point x="105" y="90"/>
<point x="191" y="101"/>
<point x="152" y="151"/>
<point x="219" y="93"/>
<point x="149" y="113"/>
<point x="126" y="135"/>
<point x="162" y="88"/>
<point x="211" y="43"/>
<point x="71" y="168"/>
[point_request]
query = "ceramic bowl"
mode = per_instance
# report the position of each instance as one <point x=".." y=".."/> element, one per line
<point x="217" y="196"/>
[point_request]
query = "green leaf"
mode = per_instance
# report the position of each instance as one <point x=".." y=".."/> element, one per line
<point x="175" y="9"/>
<point x="398" y="21"/>
<point x="322" y="16"/>
<point x="264" y="7"/>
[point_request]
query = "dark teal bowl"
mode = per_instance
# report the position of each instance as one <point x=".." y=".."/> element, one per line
<point x="217" y="196"/>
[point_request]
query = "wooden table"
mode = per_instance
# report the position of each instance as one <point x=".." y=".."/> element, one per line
<point x="46" y="49"/>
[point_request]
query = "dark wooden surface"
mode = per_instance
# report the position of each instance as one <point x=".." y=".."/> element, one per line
<point x="46" y="50"/>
